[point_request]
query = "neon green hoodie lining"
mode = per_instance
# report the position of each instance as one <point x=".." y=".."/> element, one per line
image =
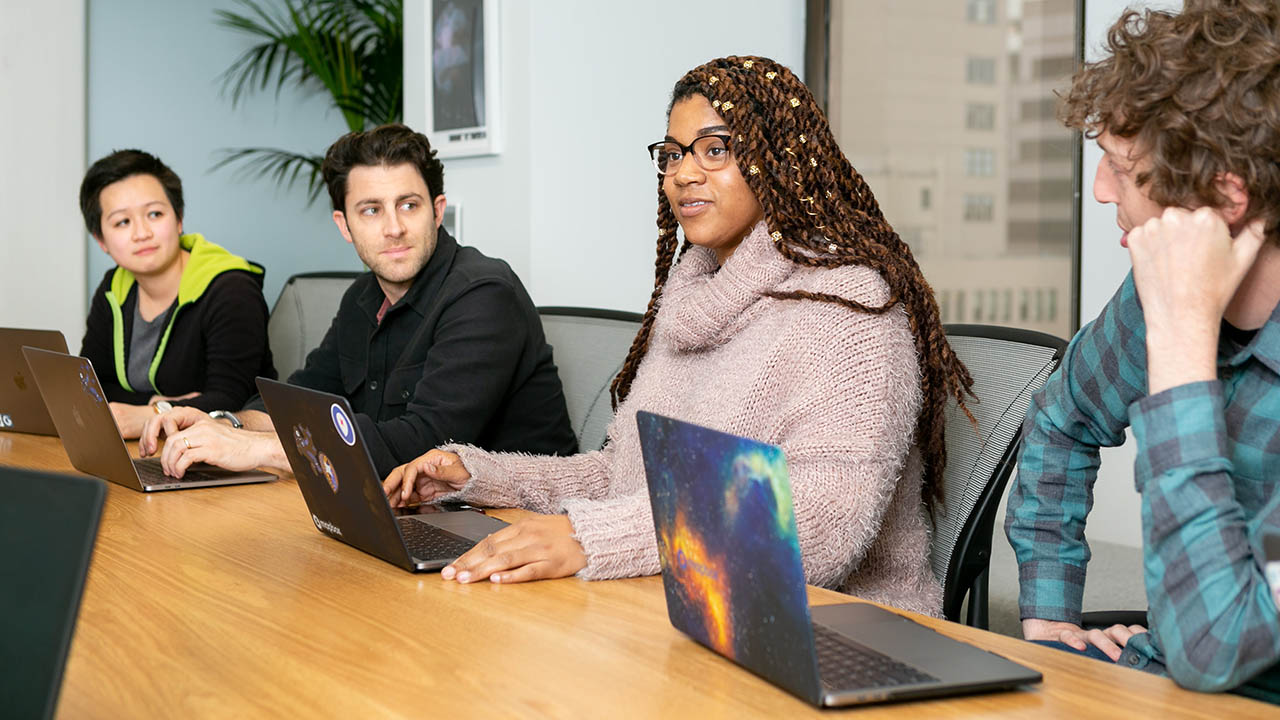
<point x="208" y="261"/>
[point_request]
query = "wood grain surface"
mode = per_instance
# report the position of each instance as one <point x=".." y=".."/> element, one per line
<point x="226" y="602"/>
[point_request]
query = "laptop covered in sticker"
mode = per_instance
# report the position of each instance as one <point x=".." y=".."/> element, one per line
<point x="343" y="490"/>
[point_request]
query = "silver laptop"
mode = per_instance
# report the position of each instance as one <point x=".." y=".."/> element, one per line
<point x="78" y="406"/>
<point x="343" y="491"/>
<point x="734" y="582"/>
<point x="21" y="407"/>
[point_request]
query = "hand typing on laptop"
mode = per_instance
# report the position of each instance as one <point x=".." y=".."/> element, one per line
<point x="193" y="437"/>
<point x="167" y="423"/>
<point x="133" y="419"/>
<point x="425" y="478"/>
<point x="540" y="547"/>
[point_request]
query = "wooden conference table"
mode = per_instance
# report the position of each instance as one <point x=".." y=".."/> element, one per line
<point x="226" y="602"/>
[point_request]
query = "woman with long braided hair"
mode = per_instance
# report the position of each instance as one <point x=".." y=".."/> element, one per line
<point x="791" y="313"/>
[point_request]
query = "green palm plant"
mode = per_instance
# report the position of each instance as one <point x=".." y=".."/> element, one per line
<point x="351" y="49"/>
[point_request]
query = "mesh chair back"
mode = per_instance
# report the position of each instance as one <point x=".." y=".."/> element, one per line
<point x="305" y="309"/>
<point x="1008" y="366"/>
<point x="590" y="346"/>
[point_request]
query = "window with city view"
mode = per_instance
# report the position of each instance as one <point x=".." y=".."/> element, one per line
<point x="947" y="108"/>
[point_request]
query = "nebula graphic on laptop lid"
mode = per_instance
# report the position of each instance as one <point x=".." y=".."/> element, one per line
<point x="728" y="545"/>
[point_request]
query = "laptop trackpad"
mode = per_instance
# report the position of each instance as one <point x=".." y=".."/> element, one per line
<point x="469" y="524"/>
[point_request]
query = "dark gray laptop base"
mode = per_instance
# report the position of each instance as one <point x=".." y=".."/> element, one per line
<point x="959" y="667"/>
<point x="91" y="438"/>
<point x="21" y="407"/>
<point x="343" y="491"/>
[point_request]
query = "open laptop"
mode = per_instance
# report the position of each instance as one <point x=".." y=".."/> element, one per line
<point x="21" y="408"/>
<point x="734" y="582"/>
<point x="48" y="524"/>
<point x="343" y="490"/>
<point x="91" y="438"/>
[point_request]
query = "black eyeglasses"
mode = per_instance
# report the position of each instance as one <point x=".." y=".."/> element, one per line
<point x="711" y="152"/>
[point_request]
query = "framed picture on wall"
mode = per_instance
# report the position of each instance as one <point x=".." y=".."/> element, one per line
<point x="462" y="77"/>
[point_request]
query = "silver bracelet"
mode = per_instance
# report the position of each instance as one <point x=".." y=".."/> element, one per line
<point x="228" y="416"/>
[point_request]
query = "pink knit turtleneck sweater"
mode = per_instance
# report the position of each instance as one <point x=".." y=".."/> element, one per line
<point x="838" y="390"/>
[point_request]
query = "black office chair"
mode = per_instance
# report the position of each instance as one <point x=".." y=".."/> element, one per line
<point x="1008" y="366"/>
<point x="589" y="346"/>
<point x="302" y="314"/>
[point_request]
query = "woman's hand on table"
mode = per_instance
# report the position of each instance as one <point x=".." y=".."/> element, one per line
<point x="540" y="547"/>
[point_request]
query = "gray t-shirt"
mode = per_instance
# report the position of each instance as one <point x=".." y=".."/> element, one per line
<point x="142" y="347"/>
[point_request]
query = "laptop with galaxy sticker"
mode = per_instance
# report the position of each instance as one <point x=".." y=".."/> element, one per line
<point x="734" y="582"/>
<point x="21" y="407"/>
<point x="89" y="433"/>
<point x="343" y="489"/>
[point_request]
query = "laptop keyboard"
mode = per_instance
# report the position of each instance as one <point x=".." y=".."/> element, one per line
<point x="845" y="665"/>
<point x="428" y="542"/>
<point x="151" y="473"/>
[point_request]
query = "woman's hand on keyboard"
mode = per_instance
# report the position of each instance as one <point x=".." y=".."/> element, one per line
<point x="425" y="478"/>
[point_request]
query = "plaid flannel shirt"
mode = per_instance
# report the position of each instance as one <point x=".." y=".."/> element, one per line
<point x="1208" y="471"/>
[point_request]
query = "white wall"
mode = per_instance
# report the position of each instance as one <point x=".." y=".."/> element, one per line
<point x="571" y="201"/>
<point x="42" y="143"/>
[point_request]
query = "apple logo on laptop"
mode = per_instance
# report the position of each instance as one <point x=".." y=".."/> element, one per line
<point x="75" y="413"/>
<point x="20" y="381"/>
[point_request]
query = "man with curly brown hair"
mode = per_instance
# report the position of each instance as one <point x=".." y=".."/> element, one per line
<point x="1186" y="108"/>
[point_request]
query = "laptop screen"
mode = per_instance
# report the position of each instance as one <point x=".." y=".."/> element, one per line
<point x="729" y="550"/>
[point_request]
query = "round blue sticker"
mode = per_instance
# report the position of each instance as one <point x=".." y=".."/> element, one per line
<point x="342" y="424"/>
